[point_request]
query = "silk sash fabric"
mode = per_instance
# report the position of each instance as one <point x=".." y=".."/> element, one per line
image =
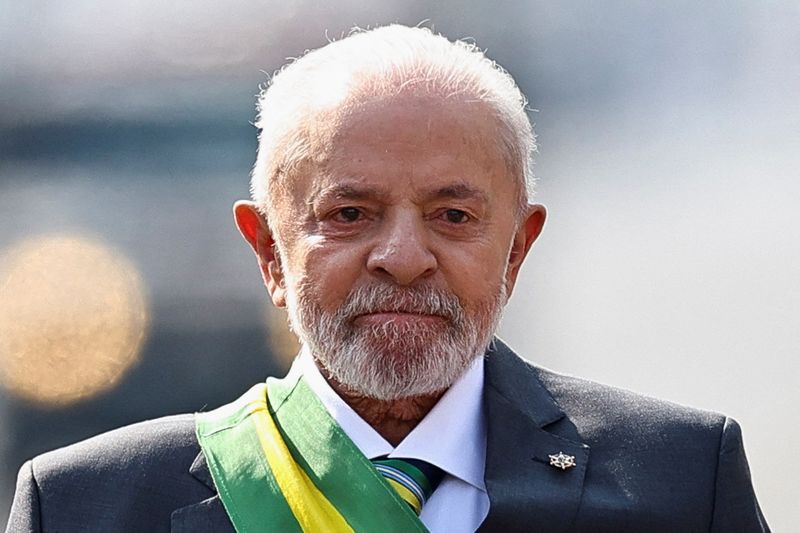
<point x="281" y="463"/>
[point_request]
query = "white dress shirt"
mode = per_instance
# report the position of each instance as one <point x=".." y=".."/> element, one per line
<point x="452" y="436"/>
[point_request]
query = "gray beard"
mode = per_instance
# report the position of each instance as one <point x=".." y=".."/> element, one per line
<point x="392" y="360"/>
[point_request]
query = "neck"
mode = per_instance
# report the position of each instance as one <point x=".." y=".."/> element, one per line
<point x="392" y="419"/>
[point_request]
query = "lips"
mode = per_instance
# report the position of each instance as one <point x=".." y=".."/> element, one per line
<point x="399" y="309"/>
<point x="397" y="317"/>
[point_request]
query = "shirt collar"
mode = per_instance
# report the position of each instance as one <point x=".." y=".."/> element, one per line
<point x="460" y="451"/>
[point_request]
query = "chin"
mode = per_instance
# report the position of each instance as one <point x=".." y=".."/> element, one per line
<point x="393" y="369"/>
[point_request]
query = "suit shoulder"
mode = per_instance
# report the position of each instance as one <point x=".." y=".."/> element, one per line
<point x="600" y="411"/>
<point x="128" y="479"/>
<point x="596" y="406"/>
<point x="165" y="444"/>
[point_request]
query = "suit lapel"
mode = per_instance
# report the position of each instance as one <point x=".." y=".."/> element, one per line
<point x="206" y="516"/>
<point x="525" y="427"/>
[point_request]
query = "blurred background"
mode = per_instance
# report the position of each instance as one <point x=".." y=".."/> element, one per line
<point x="669" y="155"/>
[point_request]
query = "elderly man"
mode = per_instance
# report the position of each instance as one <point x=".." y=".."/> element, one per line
<point x="391" y="216"/>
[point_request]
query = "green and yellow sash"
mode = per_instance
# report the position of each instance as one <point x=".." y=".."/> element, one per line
<point x="281" y="463"/>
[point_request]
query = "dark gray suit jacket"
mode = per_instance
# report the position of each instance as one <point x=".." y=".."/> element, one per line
<point x="642" y="465"/>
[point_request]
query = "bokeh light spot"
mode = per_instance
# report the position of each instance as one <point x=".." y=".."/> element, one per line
<point x="73" y="318"/>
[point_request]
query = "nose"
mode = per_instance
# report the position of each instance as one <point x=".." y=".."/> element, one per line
<point x="402" y="252"/>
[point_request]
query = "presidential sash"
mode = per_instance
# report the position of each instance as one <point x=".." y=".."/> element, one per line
<point x="281" y="463"/>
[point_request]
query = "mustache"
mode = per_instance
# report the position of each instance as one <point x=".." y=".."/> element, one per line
<point x="392" y="299"/>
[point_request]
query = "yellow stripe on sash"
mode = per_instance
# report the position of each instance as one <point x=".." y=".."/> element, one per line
<point x="310" y="507"/>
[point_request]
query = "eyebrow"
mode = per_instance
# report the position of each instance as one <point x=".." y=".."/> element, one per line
<point x="346" y="191"/>
<point x="459" y="191"/>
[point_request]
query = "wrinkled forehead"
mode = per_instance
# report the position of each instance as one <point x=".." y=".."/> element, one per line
<point x="401" y="123"/>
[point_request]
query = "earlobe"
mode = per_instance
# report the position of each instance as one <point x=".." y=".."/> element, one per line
<point x="526" y="235"/>
<point x="255" y="230"/>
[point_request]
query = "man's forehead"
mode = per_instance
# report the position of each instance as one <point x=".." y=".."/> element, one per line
<point x="378" y="114"/>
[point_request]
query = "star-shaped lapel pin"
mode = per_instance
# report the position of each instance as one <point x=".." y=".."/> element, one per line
<point x="562" y="460"/>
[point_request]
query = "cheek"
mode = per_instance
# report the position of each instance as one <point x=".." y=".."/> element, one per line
<point x="475" y="272"/>
<point x="327" y="272"/>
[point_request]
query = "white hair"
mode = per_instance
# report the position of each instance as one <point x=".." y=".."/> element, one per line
<point x="380" y="62"/>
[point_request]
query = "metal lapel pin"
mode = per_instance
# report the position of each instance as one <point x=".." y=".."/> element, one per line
<point x="562" y="460"/>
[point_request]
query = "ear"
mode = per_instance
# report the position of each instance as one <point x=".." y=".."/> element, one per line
<point x="524" y="238"/>
<point x="255" y="230"/>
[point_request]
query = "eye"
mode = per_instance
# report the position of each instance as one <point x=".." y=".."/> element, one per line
<point x="348" y="214"/>
<point x="456" y="216"/>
